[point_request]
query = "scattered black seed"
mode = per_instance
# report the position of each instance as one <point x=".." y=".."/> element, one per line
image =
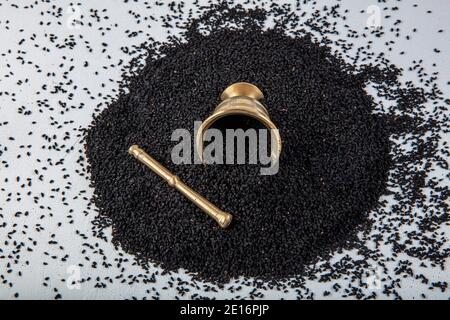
<point x="404" y="233"/>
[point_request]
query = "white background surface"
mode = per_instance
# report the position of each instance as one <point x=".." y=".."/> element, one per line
<point x="21" y="228"/>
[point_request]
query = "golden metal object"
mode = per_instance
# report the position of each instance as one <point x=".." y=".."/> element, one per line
<point x="241" y="98"/>
<point x="221" y="217"/>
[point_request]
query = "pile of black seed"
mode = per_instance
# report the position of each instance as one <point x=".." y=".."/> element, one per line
<point x="333" y="168"/>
